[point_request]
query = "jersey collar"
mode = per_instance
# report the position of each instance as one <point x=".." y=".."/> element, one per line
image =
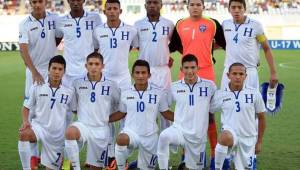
<point x="226" y="88"/>
<point x="247" y="20"/>
<point x="31" y="18"/>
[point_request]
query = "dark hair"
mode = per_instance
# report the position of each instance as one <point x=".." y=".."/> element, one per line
<point x="113" y="1"/>
<point x="57" y="59"/>
<point x="95" y="55"/>
<point x="141" y="63"/>
<point x="236" y="64"/>
<point x="188" y="2"/>
<point x="240" y="1"/>
<point x="189" y="58"/>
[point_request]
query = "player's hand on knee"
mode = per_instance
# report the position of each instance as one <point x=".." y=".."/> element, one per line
<point x="258" y="148"/>
<point x="24" y="126"/>
<point x="38" y="78"/>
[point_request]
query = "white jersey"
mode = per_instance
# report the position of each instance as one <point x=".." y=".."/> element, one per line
<point x="242" y="43"/>
<point x="153" y="40"/>
<point x="50" y="107"/>
<point x="78" y="40"/>
<point x="114" y="45"/>
<point x="142" y="108"/>
<point x="192" y="107"/>
<point x="96" y="101"/>
<point x="40" y="37"/>
<point x="239" y="109"/>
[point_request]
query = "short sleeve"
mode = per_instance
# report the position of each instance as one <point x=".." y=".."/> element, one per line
<point x="163" y="102"/>
<point x="135" y="36"/>
<point x="98" y="20"/>
<point x="95" y="40"/>
<point x="73" y="103"/>
<point x="30" y="102"/>
<point x="170" y="97"/>
<point x="259" y="104"/>
<point x="115" y="98"/>
<point x="59" y="28"/>
<point x="216" y="102"/>
<point x="23" y="34"/>
<point x="122" y="106"/>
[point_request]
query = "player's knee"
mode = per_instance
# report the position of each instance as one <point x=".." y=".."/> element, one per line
<point x="27" y="136"/>
<point x="164" y="138"/>
<point x="123" y="139"/>
<point x="72" y="133"/>
<point x="226" y="138"/>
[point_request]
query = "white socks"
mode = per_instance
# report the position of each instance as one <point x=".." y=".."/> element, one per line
<point x="34" y="149"/>
<point x="121" y="154"/>
<point x="220" y="155"/>
<point x="25" y="154"/>
<point x="72" y="150"/>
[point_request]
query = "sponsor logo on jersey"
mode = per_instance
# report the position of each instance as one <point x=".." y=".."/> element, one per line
<point x="186" y="28"/>
<point x="34" y="28"/>
<point x="43" y="95"/>
<point x="144" y="29"/>
<point x="130" y="97"/>
<point x="83" y="87"/>
<point x="103" y="36"/>
<point x="180" y="91"/>
<point x="68" y="25"/>
<point x="228" y="99"/>
<point x="226" y="30"/>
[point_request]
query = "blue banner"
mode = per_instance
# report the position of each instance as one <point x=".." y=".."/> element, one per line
<point x="285" y="44"/>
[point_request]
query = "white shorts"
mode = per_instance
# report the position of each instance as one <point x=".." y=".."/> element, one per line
<point x="97" y="142"/>
<point x="52" y="152"/>
<point x="194" y="152"/>
<point x="252" y="79"/>
<point x="243" y="150"/>
<point x="161" y="76"/>
<point x="147" y="146"/>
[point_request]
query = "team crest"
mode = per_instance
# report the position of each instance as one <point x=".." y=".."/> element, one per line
<point x="202" y="28"/>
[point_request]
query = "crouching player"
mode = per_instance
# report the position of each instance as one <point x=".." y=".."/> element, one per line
<point x="96" y="97"/>
<point x="51" y="102"/>
<point x="140" y="104"/>
<point x="191" y="117"/>
<point x="240" y="107"/>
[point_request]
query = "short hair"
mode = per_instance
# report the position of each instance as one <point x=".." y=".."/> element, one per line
<point x="188" y="2"/>
<point x="240" y="1"/>
<point x="141" y="63"/>
<point x="113" y="1"/>
<point x="236" y="64"/>
<point x="57" y="59"/>
<point x="189" y="58"/>
<point x="95" y="55"/>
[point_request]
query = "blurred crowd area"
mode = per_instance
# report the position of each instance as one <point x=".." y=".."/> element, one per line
<point x="15" y="7"/>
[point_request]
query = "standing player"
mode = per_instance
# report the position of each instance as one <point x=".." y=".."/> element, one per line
<point x="37" y="47"/>
<point x="241" y="106"/>
<point x="114" y="39"/>
<point x="244" y="36"/>
<point x="96" y="97"/>
<point x="192" y="95"/>
<point x="76" y="28"/>
<point x="140" y="105"/>
<point x="196" y="35"/>
<point x="50" y="103"/>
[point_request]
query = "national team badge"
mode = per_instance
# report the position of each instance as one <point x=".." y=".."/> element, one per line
<point x="202" y="28"/>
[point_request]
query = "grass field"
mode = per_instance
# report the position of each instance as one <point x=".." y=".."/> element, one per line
<point x="281" y="144"/>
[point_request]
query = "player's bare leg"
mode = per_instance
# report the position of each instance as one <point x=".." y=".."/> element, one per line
<point x="225" y="141"/>
<point x="121" y="151"/>
<point x="25" y="137"/>
<point x="71" y="146"/>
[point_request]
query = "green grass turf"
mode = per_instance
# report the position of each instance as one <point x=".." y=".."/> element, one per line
<point x="281" y="144"/>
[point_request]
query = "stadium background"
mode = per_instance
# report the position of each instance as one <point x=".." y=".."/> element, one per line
<point x="280" y="19"/>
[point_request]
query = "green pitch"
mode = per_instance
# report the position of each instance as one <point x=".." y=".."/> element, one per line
<point x="281" y="146"/>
